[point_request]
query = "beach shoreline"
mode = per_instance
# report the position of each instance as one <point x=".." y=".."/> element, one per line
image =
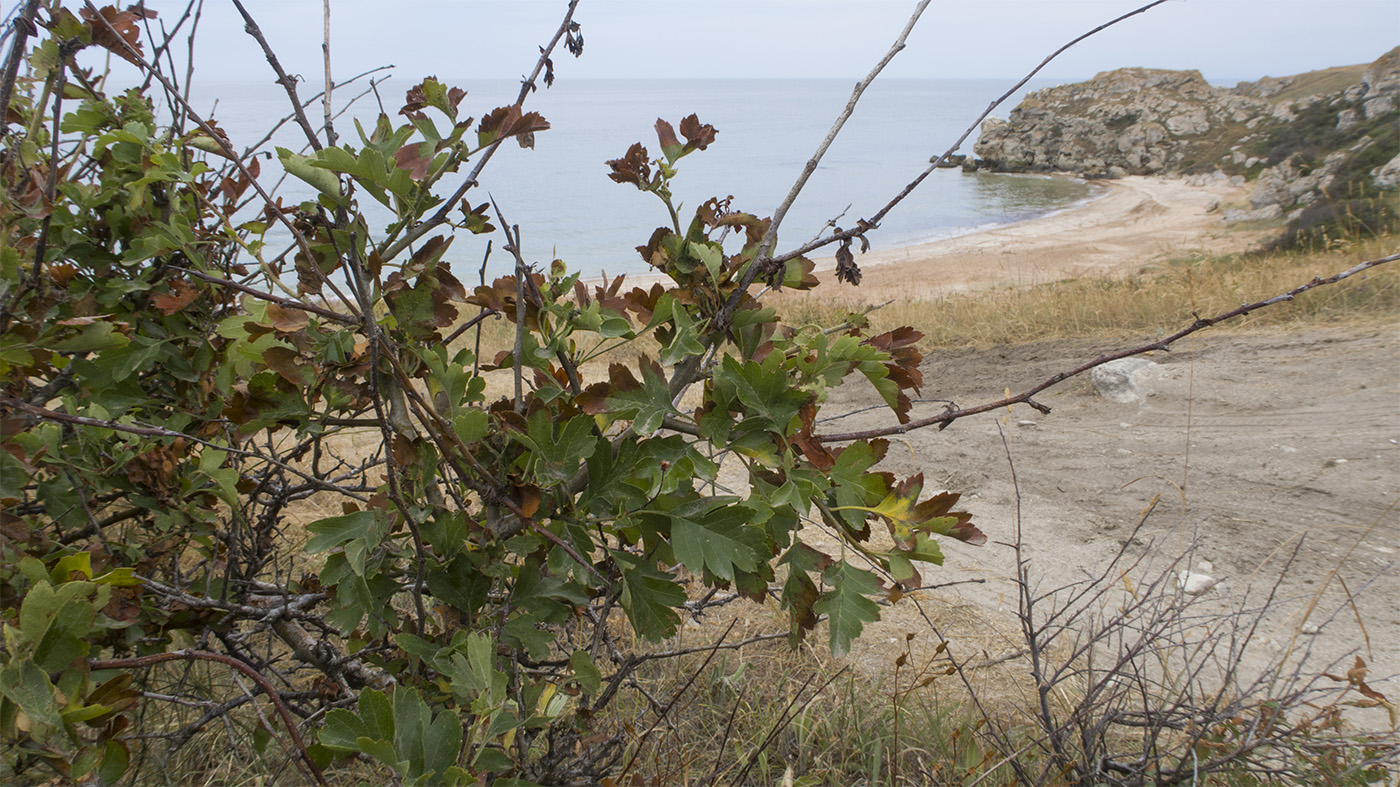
<point x="1138" y="221"/>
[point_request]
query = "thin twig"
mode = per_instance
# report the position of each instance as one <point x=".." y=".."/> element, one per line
<point x="23" y="28"/>
<point x="686" y="372"/>
<point x="142" y="662"/>
<point x="297" y="236"/>
<point x="267" y="296"/>
<point x="879" y="215"/>
<point x="330" y="85"/>
<point x="526" y="87"/>
<point x="156" y="431"/>
<point x="288" y="83"/>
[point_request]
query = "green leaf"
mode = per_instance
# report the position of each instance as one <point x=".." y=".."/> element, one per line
<point x="685" y="340"/>
<point x="27" y="686"/>
<point x="101" y="335"/>
<point x="411" y="721"/>
<point x="471" y="425"/>
<point x="764" y="390"/>
<point x="342" y="731"/>
<point x="589" y="677"/>
<point x="559" y="451"/>
<point x="716" y="538"/>
<point x="304" y="168"/>
<point x="853" y="488"/>
<point x="336" y="530"/>
<point x="493" y="761"/>
<point x="846" y="604"/>
<point x="650" y="597"/>
<point x="442" y="743"/>
<point x="377" y="714"/>
<point x="77" y="563"/>
<point x="115" y="759"/>
<point x="645" y="405"/>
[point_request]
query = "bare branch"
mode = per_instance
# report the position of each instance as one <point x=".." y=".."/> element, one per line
<point x="23" y="29"/>
<point x="142" y="662"/>
<point x="330" y="84"/>
<point x="267" y="296"/>
<point x="880" y="214"/>
<point x="288" y="82"/>
<point x="943" y="419"/>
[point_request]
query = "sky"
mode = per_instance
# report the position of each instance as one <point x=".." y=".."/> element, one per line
<point x="1227" y="40"/>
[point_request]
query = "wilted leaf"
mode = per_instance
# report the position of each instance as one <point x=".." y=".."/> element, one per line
<point x="671" y="147"/>
<point x="632" y="168"/>
<point x="118" y="31"/>
<point x="698" y="136"/>
<point x="846" y="268"/>
<point x="181" y="294"/>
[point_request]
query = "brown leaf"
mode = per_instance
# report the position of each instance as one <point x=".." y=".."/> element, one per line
<point x="430" y="252"/>
<point x="117" y="31"/>
<point x="287" y="320"/>
<point x="508" y="121"/>
<point x="698" y="136"/>
<point x="181" y="294"/>
<point x="528" y="500"/>
<point x="417" y="158"/>
<point x="671" y="147"/>
<point x="1357" y="673"/>
<point x="632" y="168"/>
<point x="286" y="363"/>
<point x="846" y="268"/>
<point x="402" y="450"/>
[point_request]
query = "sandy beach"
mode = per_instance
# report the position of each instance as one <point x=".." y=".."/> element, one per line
<point x="1139" y="220"/>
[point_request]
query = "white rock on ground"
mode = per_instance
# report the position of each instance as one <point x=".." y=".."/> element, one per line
<point x="1120" y="381"/>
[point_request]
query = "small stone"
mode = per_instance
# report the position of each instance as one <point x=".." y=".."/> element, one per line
<point x="1025" y="424"/>
<point x="1310" y="629"/>
<point x="1193" y="583"/>
<point x="1117" y="381"/>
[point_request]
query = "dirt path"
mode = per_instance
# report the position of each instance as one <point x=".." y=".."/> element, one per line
<point x="1257" y="447"/>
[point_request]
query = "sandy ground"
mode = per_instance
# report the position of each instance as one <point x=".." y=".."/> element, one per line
<point x="1275" y="459"/>
<point x="1136" y="221"/>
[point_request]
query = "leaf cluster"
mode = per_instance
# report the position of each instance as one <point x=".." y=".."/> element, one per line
<point x="186" y="362"/>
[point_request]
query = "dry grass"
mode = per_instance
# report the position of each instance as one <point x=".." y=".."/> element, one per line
<point x="1155" y="301"/>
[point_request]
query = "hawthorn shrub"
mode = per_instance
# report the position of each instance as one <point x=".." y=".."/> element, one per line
<point x="184" y="358"/>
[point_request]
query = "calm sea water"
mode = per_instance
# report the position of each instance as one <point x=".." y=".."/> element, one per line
<point x="566" y="206"/>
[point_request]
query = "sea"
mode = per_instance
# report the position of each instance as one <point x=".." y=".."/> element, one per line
<point x="567" y="208"/>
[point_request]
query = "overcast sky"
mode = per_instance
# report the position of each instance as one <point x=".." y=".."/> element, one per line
<point x="1226" y="39"/>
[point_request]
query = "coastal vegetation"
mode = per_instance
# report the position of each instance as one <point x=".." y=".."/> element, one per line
<point x="285" y="501"/>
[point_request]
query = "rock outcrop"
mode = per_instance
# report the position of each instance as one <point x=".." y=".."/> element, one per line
<point x="1298" y="138"/>
<point x="1133" y="121"/>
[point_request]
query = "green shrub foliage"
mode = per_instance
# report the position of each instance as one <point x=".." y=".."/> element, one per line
<point x="237" y="426"/>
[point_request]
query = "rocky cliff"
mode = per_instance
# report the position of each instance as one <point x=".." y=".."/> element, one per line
<point x="1306" y="139"/>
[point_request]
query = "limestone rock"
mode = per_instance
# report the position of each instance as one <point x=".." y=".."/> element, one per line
<point x="1193" y="583"/>
<point x="1119" y="381"/>
<point x="1387" y="175"/>
<point x="1140" y="121"/>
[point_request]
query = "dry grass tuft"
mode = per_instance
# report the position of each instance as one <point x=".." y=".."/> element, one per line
<point x="1157" y="300"/>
